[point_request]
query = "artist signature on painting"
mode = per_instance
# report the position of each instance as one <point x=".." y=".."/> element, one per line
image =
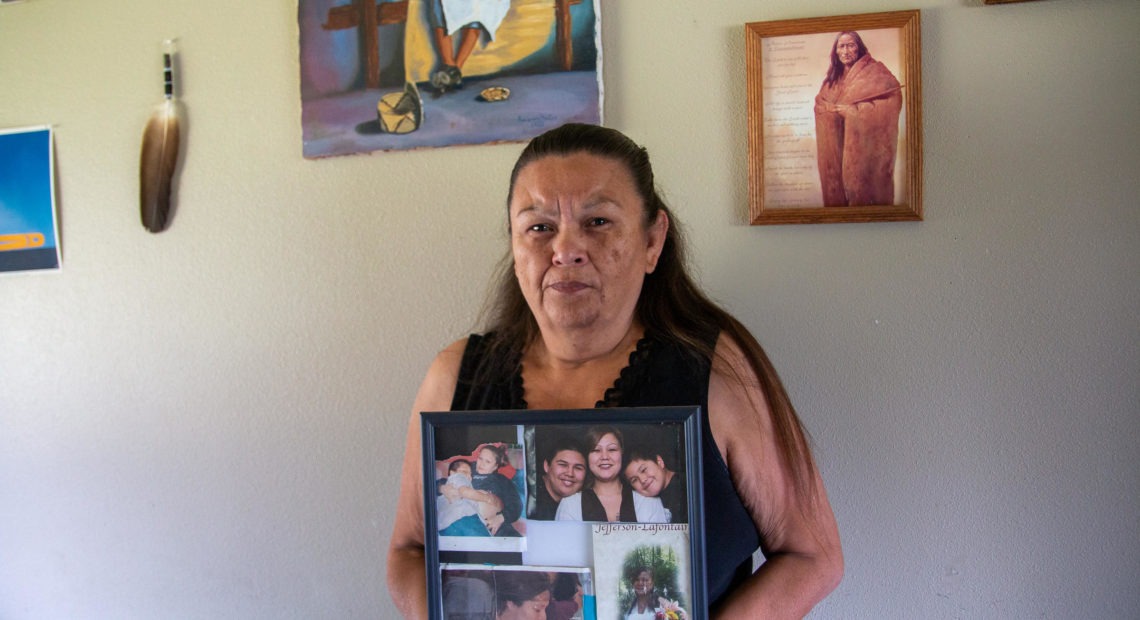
<point x="540" y="120"/>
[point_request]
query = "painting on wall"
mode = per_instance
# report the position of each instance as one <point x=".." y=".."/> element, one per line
<point x="835" y="119"/>
<point x="408" y="74"/>
<point x="29" y="230"/>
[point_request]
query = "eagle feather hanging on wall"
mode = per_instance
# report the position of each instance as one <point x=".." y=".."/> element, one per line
<point x="160" y="153"/>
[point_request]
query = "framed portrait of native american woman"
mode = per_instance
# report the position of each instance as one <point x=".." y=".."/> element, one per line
<point x="835" y="119"/>
<point x="580" y="514"/>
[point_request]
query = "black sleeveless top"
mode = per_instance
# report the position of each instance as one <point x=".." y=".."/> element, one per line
<point x="659" y="374"/>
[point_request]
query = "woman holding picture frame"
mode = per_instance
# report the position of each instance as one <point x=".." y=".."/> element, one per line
<point x="595" y="308"/>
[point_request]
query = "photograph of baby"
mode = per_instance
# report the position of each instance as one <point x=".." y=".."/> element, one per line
<point x="626" y="473"/>
<point x="480" y="497"/>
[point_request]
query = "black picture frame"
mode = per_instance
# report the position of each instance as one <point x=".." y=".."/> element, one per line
<point x="599" y="555"/>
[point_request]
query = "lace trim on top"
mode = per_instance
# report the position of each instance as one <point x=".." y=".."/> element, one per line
<point x="629" y="375"/>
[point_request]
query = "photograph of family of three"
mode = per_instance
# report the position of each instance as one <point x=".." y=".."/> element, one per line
<point x="602" y="473"/>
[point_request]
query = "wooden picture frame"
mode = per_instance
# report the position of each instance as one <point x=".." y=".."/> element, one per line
<point x="475" y="555"/>
<point x="866" y="172"/>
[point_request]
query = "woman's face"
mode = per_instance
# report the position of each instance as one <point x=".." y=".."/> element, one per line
<point x="534" y="609"/>
<point x="847" y="49"/>
<point x="643" y="584"/>
<point x="580" y="244"/>
<point x="605" y="458"/>
<point x="487" y="462"/>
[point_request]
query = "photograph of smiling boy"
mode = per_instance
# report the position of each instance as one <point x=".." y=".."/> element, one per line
<point x="650" y="472"/>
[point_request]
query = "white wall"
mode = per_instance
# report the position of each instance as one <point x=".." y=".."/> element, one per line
<point x="209" y="422"/>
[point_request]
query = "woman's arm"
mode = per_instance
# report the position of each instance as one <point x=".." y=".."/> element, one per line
<point x="508" y="494"/>
<point x="483" y="497"/>
<point x="407" y="583"/>
<point x="798" y="534"/>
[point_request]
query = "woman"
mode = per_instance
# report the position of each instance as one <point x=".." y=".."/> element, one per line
<point x="606" y="497"/>
<point x="496" y="491"/>
<point x="644" y="604"/>
<point x="521" y="595"/>
<point x="595" y="302"/>
<point x="857" y="127"/>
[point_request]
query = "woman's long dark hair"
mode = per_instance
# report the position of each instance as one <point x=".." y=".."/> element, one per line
<point x="518" y="587"/>
<point x="671" y="307"/>
<point x="631" y="578"/>
<point x="500" y="454"/>
<point x="837" y="67"/>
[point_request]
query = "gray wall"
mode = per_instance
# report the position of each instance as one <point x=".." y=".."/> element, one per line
<point x="209" y="422"/>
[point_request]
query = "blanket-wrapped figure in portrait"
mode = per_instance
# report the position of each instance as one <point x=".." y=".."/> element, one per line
<point x="857" y="127"/>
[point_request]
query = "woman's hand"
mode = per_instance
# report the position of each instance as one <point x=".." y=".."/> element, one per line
<point x="494" y="522"/>
<point x="825" y="107"/>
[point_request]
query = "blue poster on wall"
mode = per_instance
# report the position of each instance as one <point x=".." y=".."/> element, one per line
<point x="28" y="230"/>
